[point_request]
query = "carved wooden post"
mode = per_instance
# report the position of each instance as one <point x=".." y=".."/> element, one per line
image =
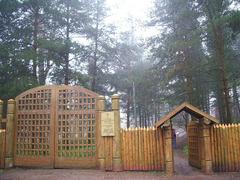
<point x="168" y="151"/>
<point x="100" y="141"/>
<point x="10" y="133"/>
<point x="206" y="147"/>
<point x="2" y="138"/>
<point x="117" y="159"/>
<point x="1" y="111"/>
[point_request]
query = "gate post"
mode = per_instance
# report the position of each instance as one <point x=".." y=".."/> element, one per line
<point x="117" y="159"/>
<point x="10" y="133"/>
<point x="168" y="151"/>
<point x="1" y="111"/>
<point x="100" y="107"/>
<point x="206" y="147"/>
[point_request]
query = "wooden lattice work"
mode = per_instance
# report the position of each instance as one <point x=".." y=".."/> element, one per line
<point x="75" y="128"/>
<point x="55" y="127"/>
<point x="34" y="128"/>
<point x="194" y="144"/>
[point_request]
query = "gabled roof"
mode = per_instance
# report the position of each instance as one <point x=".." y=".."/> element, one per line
<point x="188" y="108"/>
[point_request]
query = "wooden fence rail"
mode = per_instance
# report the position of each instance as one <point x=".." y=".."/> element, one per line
<point x="2" y="147"/>
<point x="225" y="142"/>
<point x="142" y="149"/>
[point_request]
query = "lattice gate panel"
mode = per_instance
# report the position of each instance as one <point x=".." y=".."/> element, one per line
<point x="75" y="128"/>
<point x="34" y="128"/>
<point x="194" y="144"/>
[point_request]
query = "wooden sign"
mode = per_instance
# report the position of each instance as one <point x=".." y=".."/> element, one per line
<point x="107" y="124"/>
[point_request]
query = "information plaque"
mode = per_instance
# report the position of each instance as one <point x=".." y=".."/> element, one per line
<point x="107" y="123"/>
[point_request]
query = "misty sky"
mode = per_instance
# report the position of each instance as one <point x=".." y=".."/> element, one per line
<point x="126" y="14"/>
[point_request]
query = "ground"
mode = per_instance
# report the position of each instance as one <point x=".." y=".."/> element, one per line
<point x="182" y="171"/>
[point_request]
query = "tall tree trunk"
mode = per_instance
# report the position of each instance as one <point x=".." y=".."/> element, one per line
<point x="188" y="75"/>
<point x="35" y="41"/>
<point x="236" y="100"/>
<point x="140" y="116"/>
<point x="67" y="45"/>
<point x="95" y="58"/>
<point x="224" y="93"/>
<point x="218" y="40"/>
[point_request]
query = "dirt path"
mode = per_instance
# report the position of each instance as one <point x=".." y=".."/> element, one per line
<point x="181" y="165"/>
<point x="182" y="172"/>
<point x="75" y="174"/>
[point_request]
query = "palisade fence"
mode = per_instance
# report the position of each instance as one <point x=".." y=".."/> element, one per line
<point x="2" y="147"/>
<point x="225" y="143"/>
<point x="142" y="149"/>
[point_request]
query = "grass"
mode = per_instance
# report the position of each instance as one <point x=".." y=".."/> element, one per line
<point x="185" y="150"/>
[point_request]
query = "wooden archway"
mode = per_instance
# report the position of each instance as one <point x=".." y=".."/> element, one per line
<point x="201" y="129"/>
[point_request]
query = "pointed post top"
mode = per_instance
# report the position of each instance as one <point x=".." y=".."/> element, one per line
<point x="115" y="96"/>
<point x="100" y="97"/>
<point x="11" y="101"/>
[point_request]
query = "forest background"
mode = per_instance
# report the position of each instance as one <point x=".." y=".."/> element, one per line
<point x="182" y="51"/>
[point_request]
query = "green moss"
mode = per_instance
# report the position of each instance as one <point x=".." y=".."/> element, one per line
<point x="185" y="150"/>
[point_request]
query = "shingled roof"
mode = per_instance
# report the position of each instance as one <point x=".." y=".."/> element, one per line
<point x="191" y="110"/>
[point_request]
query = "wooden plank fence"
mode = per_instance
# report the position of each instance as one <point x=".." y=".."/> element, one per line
<point x="142" y="149"/>
<point x="2" y="147"/>
<point x="225" y="146"/>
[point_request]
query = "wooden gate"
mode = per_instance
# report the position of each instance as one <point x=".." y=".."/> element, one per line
<point x="55" y="127"/>
<point x="194" y="144"/>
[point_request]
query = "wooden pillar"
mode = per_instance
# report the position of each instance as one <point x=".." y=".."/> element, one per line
<point x="168" y="150"/>
<point x="206" y="149"/>
<point x="100" y="140"/>
<point x="10" y="133"/>
<point x="117" y="158"/>
<point x="1" y="111"/>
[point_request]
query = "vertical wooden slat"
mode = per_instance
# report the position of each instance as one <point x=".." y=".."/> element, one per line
<point x="212" y="146"/>
<point x="157" y="149"/>
<point x="216" y="148"/>
<point x="154" y="149"/>
<point x="231" y="147"/>
<point x="222" y="140"/>
<point x="136" y="149"/>
<point x="140" y="149"/>
<point x="145" y="148"/>
<point x="2" y="147"/>
<point x="234" y="147"/>
<point x="218" y="145"/>
<point x="148" y="150"/>
<point x="226" y="147"/>
<point x="162" y="148"/>
<point x="218" y="138"/>
<point x="131" y="148"/>
<point x="122" y="148"/>
<point x="238" y="145"/>
<point x="126" y="149"/>
<point x="151" y="148"/>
